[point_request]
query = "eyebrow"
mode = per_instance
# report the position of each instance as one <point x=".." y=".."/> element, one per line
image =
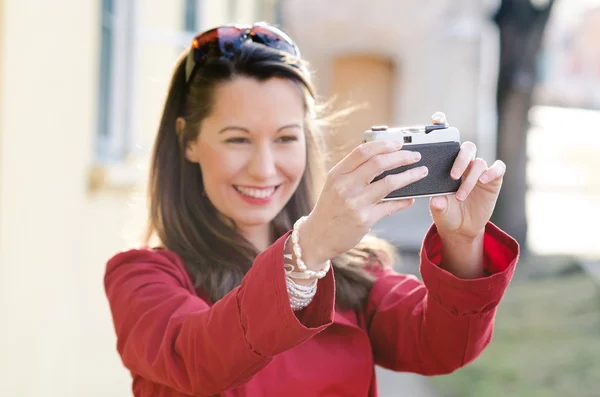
<point x="237" y="128"/>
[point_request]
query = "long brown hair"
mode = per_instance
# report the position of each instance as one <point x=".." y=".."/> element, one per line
<point x="187" y="223"/>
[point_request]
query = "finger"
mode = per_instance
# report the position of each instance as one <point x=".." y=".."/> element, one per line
<point x="438" y="204"/>
<point x="439" y="118"/>
<point x="478" y="167"/>
<point x="363" y="153"/>
<point x="467" y="153"/>
<point x="496" y="171"/>
<point x="387" y="208"/>
<point x="384" y="162"/>
<point x="378" y="190"/>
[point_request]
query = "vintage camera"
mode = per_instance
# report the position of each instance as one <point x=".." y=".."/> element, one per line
<point x="438" y="144"/>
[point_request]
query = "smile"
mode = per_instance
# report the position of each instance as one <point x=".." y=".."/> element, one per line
<point x="259" y="193"/>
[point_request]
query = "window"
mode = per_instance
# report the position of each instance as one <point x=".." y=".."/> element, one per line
<point x="106" y="46"/>
<point x="277" y="18"/>
<point x="191" y="16"/>
<point x="116" y="138"/>
<point x="117" y="58"/>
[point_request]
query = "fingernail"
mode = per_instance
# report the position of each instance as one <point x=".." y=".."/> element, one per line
<point x="483" y="179"/>
<point x="460" y="195"/>
<point x="454" y="174"/>
<point x="424" y="171"/>
<point x="417" y="156"/>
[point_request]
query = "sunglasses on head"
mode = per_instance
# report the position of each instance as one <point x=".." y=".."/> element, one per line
<point x="225" y="40"/>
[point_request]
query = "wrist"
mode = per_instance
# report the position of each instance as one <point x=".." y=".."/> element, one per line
<point x="456" y="238"/>
<point x="463" y="255"/>
<point x="312" y="254"/>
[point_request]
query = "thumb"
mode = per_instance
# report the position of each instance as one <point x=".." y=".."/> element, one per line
<point x="438" y="206"/>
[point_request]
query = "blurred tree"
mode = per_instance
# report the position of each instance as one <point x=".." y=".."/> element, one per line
<point x="521" y="25"/>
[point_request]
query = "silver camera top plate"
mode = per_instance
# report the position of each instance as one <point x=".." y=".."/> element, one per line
<point x="414" y="135"/>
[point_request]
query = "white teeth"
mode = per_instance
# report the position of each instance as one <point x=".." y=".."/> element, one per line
<point x="256" y="193"/>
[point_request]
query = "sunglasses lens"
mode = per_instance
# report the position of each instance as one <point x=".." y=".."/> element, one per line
<point x="217" y="42"/>
<point x="275" y="38"/>
<point x="224" y="41"/>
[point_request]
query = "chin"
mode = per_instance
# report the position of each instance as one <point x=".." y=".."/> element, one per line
<point x="256" y="219"/>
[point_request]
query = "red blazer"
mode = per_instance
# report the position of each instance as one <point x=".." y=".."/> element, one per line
<point x="250" y="343"/>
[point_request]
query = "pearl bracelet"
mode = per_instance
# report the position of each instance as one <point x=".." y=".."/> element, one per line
<point x="296" y="247"/>
<point x="304" y="273"/>
<point x="300" y="295"/>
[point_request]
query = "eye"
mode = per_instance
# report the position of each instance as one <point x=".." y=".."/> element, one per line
<point x="287" y="138"/>
<point x="237" y="140"/>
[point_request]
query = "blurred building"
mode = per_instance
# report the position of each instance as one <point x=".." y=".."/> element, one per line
<point x="570" y="58"/>
<point x="399" y="62"/>
<point x="586" y="51"/>
<point x="81" y="87"/>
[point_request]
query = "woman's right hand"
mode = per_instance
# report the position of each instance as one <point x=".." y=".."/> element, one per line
<point x="349" y="204"/>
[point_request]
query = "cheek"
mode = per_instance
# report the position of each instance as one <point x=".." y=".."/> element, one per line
<point x="217" y="167"/>
<point x="294" y="165"/>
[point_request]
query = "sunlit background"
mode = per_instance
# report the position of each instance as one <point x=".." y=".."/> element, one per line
<point x="82" y="83"/>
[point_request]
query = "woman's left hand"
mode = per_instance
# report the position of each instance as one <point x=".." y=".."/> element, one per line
<point x="464" y="215"/>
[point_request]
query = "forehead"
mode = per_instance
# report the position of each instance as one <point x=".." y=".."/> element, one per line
<point x="250" y="101"/>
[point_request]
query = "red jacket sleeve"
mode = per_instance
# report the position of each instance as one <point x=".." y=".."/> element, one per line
<point x="168" y="335"/>
<point x="440" y="325"/>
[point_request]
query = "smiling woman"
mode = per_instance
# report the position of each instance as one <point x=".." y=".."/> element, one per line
<point x="255" y="132"/>
<point x="265" y="281"/>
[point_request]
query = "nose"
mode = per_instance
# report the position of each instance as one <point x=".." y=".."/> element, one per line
<point x="262" y="165"/>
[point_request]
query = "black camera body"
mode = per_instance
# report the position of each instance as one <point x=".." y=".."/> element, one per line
<point x="438" y="144"/>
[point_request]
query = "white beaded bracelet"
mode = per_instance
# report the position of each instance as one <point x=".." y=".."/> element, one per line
<point x="300" y="295"/>
<point x="296" y="241"/>
<point x="304" y="273"/>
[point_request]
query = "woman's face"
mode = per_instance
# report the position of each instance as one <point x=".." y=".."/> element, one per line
<point x="251" y="148"/>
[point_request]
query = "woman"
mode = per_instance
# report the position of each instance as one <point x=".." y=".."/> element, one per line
<point x="257" y="288"/>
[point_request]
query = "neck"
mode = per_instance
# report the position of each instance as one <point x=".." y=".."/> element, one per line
<point x="259" y="236"/>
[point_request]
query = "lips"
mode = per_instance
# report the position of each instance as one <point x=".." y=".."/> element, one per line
<point x="256" y="192"/>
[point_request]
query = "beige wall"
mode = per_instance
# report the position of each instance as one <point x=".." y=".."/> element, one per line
<point x="437" y="49"/>
<point x="48" y="75"/>
<point x="445" y="58"/>
<point x="2" y="50"/>
<point x="56" y="337"/>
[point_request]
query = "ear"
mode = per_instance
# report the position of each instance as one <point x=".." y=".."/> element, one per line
<point x="190" y="146"/>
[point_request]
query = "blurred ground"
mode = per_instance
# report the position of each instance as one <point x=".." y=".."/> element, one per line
<point x="546" y="343"/>
<point x="392" y="384"/>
